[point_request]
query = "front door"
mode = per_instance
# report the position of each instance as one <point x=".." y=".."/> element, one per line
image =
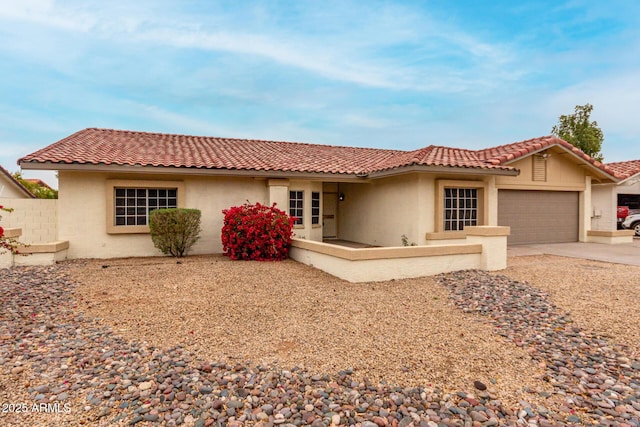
<point x="329" y="217"/>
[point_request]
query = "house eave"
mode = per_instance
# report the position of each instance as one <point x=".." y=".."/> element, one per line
<point x="170" y="170"/>
<point x="337" y="177"/>
<point x="455" y="170"/>
<point x="631" y="180"/>
<point x="601" y="174"/>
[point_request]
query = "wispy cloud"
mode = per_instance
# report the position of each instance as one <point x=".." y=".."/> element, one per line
<point x="389" y="52"/>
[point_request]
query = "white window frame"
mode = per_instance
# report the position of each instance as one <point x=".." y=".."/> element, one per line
<point x="113" y="185"/>
<point x="296" y="206"/>
<point x="461" y="208"/>
<point x="315" y="210"/>
<point x="482" y="202"/>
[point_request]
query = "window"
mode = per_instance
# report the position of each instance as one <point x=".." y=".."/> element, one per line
<point x="132" y="205"/>
<point x="460" y="208"/>
<point x="296" y="206"/>
<point x="129" y="202"/>
<point x="315" y="208"/>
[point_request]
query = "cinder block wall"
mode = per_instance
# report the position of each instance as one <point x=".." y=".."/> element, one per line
<point x="36" y="217"/>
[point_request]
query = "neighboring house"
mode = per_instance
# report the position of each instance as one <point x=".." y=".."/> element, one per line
<point x="109" y="180"/>
<point x="11" y="188"/>
<point x="606" y="197"/>
<point x="39" y="183"/>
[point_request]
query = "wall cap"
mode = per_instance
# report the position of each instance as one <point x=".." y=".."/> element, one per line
<point x="358" y="254"/>
<point x="40" y="248"/>
<point x="487" y="230"/>
<point x="610" y="233"/>
<point x="12" y="232"/>
<point x="445" y="235"/>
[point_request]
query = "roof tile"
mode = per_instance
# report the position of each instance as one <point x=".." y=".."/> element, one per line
<point x="122" y="147"/>
<point x="624" y="170"/>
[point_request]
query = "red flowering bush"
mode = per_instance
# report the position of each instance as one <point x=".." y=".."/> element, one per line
<point x="256" y="232"/>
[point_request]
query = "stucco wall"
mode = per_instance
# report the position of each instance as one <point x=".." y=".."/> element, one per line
<point x="380" y="212"/>
<point x="604" y="198"/>
<point x="9" y="190"/>
<point x="36" y="217"/>
<point x="485" y="248"/>
<point x="82" y="212"/>
<point x="563" y="174"/>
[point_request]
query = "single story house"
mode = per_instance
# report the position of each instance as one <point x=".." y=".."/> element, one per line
<point x="109" y="180"/>
<point x="11" y="188"/>
<point x="606" y="197"/>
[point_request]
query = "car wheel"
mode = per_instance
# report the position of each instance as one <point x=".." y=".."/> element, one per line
<point x="636" y="227"/>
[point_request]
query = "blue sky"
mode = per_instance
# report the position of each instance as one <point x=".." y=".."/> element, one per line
<point x="387" y="74"/>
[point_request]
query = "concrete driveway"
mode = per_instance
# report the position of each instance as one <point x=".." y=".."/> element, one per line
<point x="627" y="253"/>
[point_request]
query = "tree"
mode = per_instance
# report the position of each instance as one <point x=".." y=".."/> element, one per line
<point x="576" y="129"/>
<point x="37" y="187"/>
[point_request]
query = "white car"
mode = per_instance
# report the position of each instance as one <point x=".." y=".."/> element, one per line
<point x="632" y="222"/>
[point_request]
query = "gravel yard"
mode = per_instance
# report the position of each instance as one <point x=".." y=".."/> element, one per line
<point x="207" y="340"/>
<point x="609" y="306"/>
<point x="405" y="332"/>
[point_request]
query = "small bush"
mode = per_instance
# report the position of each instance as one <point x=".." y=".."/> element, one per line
<point x="174" y="231"/>
<point x="256" y="232"/>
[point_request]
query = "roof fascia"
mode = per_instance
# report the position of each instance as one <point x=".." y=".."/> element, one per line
<point x="165" y="170"/>
<point x="443" y="169"/>
<point x="567" y="151"/>
<point x="630" y="180"/>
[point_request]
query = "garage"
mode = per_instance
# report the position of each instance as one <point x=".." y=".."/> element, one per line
<point x="539" y="216"/>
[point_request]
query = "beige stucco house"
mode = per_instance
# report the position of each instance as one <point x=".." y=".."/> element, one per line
<point x="606" y="197"/>
<point x="436" y="196"/>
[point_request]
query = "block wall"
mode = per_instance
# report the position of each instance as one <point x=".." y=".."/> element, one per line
<point x="36" y="217"/>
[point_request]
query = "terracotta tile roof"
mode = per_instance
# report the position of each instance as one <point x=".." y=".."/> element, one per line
<point x="624" y="170"/>
<point x="504" y="154"/>
<point x="39" y="182"/>
<point x="120" y="147"/>
<point x="117" y="147"/>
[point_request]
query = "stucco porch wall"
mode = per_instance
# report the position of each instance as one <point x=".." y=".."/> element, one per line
<point x="610" y="237"/>
<point x="34" y="254"/>
<point x="486" y="249"/>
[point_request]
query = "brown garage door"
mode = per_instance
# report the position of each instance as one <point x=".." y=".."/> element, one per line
<point x="539" y="216"/>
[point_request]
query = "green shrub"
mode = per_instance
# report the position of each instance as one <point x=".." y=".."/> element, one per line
<point x="174" y="231"/>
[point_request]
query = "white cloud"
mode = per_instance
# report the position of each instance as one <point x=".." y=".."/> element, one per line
<point x="47" y="12"/>
<point x="174" y="122"/>
<point x="353" y="53"/>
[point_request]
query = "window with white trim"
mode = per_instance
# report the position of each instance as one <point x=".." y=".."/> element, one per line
<point x="296" y="206"/>
<point x="460" y="208"/>
<point x="132" y="205"/>
<point x="315" y="208"/>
